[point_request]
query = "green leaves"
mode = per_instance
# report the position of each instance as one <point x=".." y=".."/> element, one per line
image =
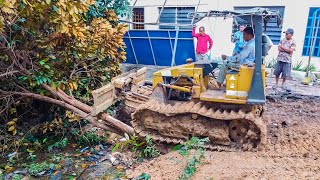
<point x="42" y="79"/>
<point x="55" y="8"/>
<point x="195" y="160"/>
<point x="22" y="20"/>
<point x="22" y="78"/>
<point x="176" y="147"/>
<point x="143" y="176"/>
<point x="42" y="62"/>
<point x="22" y="6"/>
<point x="115" y="147"/>
<point x="59" y="145"/>
<point x="42" y="76"/>
<point x="48" y="1"/>
<point x="36" y="168"/>
<point x="149" y="150"/>
<point x="121" y="7"/>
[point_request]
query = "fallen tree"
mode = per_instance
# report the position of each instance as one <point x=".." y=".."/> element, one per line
<point x="59" y="51"/>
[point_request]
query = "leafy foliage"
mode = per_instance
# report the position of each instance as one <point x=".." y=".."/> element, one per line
<point x="87" y="138"/>
<point x="312" y="68"/>
<point x="143" y="176"/>
<point x="73" y="46"/>
<point x="145" y="147"/>
<point x="36" y="168"/>
<point x="17" y="177"/>
<point x="149" y="151"/>
<point x="131" y="141"/>
<point x="195" y="160"/>
<point x="193" y="143"/>
<point x="31" y="156"/>
<point x="298" y="66"/>
<point x="271" y="64"/>
<point x="59" y="145"/>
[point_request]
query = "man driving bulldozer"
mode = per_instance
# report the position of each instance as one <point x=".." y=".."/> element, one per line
<point x="246" y="56"/>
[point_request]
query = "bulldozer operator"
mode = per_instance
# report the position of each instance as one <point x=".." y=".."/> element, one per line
<point x="245" y="57"/>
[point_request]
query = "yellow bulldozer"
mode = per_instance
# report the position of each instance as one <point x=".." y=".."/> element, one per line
<point x="179" y="102"/>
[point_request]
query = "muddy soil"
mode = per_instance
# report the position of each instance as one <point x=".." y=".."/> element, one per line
<point x="292" y="151"/>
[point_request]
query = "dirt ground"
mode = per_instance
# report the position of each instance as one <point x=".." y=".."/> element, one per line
<point x="292" y="151"/>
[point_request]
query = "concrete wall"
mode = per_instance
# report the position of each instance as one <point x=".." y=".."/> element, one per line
<point x="295" y="16"/>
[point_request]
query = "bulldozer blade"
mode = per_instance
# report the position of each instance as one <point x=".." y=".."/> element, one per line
<point x="159" y="94"/>
<point x="136" y="77"/>
<point x="103" y="98"/>
<point x="107" y="95"/>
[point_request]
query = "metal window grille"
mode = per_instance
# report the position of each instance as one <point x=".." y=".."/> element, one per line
<point x="313" y="19"/>
<point x="138" y="16"/>
<point x="273" y="31"/>
<point x="176" y="15"/>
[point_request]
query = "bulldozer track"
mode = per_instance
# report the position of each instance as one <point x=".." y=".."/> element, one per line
<point x="229" y="128"/>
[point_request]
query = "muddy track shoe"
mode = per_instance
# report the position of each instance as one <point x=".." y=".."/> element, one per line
<point x="228" y="127"/>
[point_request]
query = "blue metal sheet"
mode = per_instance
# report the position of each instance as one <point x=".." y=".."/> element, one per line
<point x="143" y="51"/>
<point x="183" y="53"/>
<point x="130" y="56"/>
<point x="162" y="52"/>
<point x="161" y="46"/>
<point x="138" y="33"/>
<point x="158" y="34"/>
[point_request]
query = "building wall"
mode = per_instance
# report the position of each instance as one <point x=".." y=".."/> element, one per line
<point x="295" y="16"/>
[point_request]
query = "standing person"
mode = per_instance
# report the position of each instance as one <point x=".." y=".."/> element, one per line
<point x="286" y="47"/>
<point x="237" y="38"/>
<point x="202" y="44"/>
<point x="269" y="42"/>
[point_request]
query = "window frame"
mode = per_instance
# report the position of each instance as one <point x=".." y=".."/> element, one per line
<point x="140" y="15"/>
<point x="176" y="17"/>
<point x="308" y="34"/>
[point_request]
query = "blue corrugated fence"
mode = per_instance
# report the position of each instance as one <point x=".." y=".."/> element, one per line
<point x="156" y="47"/>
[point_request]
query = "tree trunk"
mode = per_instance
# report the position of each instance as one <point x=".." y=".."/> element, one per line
<point x="84" y="107"/>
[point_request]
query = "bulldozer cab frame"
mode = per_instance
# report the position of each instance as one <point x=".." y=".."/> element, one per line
<point x="257" y="17"/>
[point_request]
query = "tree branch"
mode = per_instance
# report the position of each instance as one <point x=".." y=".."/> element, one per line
<point x="80" y="113"/>
<point x="88" y="109"/>
<point x="8" y="73"/>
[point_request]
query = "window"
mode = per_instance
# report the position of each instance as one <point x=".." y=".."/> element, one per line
<point x="176" y="15"/>
<point x="138" y="16"/>
<point x="273" y="31"/>
<point x="313" y="20"/>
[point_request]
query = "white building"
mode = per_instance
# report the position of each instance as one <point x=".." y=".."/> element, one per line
<point x="295" y="15"/>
